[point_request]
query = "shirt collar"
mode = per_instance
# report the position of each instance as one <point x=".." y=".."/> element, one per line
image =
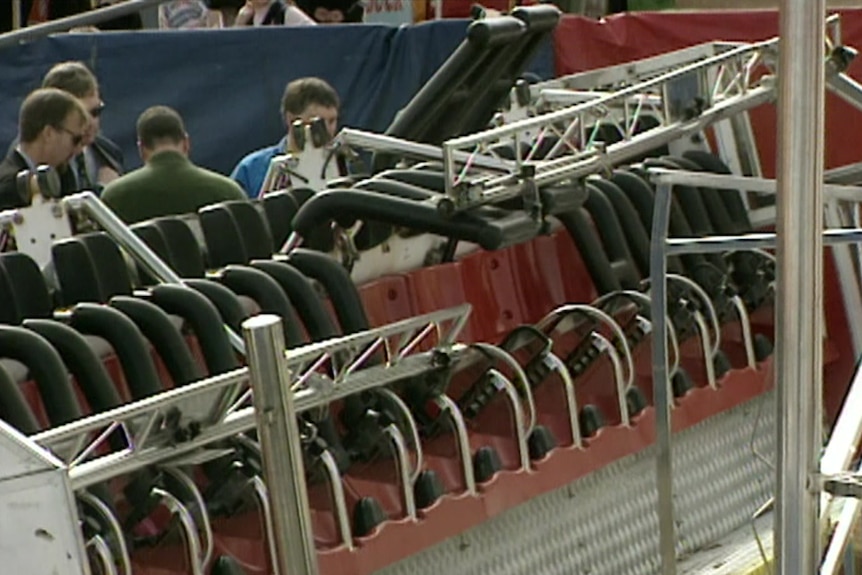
<point x="30" y="163"/>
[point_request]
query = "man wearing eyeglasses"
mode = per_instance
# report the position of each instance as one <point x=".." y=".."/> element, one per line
<point x="52" y="127"/>
<point x="101" y="160"/>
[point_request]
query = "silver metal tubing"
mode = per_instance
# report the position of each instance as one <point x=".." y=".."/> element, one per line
<point x="448" y="405"/>
<point x="601" y="317"/>
<point x="407" y="418"/>
<point x="17" y="20"/>
<point x="201" y="401"/>
<point x="103" y="554"/>
<point x="126" y="461"/>
<point x="844" y="440"/>
<point x="280" y="441"/>
<point x="502" y="383"/>
<point x="121" y="553"/>
<point x="661" y="379"/>
<point x="293" y="241"/>
<point x="800" y="292"/>
<point x="847" y="89"/>
<point x="841" y="538"/>
<point x="187" y="527"/>
<point x="526" y="392"/>
<point x="571" y="113"/>
<point x="847" y="268"/>
<point x="846" y="175"/>
<point x="766" y="240"/>
<point x="591" y="161"/>
<point x="556" y="364"/>
<point x="745" y="325"/>
<point x="339" y="501"/>
<point x="417" y="150"/>
<point x="134" y="246"/>
<point x="202" y="519"/>
<point x="708" y="353"/>
<point x="645" y="324"/>
<point x="261" y="494"/>
<point x="735" y="183"/>
<point x="619" y="381"/>
<point x="402" y="463"/>
<point x="634" y="72"/>
<point x="63" y="24"/>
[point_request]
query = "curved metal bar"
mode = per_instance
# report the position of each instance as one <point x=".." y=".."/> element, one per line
<point x="646" y="325"/>
<point x="399" y="404"/>
<point x="97" y="505"/>
<point x="500" y="355"/>
<point x="402" y="461"/>
<point x="557" y="365"/>
<point x="261" y="493"/>
<point x="501" y="382"/>
<point x="745" y="324"/>
<point x="713" y="315"/>
<point x="447" y="404"/>
<point x="605" y="345"/>
<point x="708" y="356"/>
<point x="602" y="317"/>
<point x="187" y="525"/>
<point x="203" y="522"/>
<point x="104" y="555"/>
<point x="342" y="517"/>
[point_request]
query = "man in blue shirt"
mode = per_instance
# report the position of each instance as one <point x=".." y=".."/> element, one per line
<point x="304" y="99"/>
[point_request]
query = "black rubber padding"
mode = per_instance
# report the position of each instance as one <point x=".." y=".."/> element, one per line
<point x="46" y="369"/>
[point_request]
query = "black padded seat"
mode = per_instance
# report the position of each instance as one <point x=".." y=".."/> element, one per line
<point x="163" y="328"/>
<point x="613" y="238"/>
<point x="637" y="237"/>
<point x="46" y="368"/>
<point x="14" y="408"/>
<point x="279" y="209"/>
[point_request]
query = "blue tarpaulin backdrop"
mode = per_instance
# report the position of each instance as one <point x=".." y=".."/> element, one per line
<point x="227" y="84"/>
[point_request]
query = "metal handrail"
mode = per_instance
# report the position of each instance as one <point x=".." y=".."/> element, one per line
<point x="64" y="24"/>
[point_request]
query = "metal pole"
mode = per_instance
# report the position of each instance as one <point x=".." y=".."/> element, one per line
<point x="280" y="446"/>
<point x="17" y="20"/>
<point x="800" y="275"/>
<point x="661" y="377"/>
<point x="84" y="19"/>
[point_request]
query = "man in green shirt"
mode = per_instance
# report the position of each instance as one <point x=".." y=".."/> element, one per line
<point x="168" y="183"/>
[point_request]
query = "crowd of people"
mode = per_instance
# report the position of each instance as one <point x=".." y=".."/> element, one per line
<point x="185" y="14"/>
<point x="59" y="126"/>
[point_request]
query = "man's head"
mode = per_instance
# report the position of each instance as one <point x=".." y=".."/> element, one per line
<point x="308" y="98"/>
<point x="161" y="128"/>
<point x="76" y="79"/>
<point x="52" y="126"/>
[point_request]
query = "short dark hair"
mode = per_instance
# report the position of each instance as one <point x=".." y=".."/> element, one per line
<point x="301" y="93"/>
<point x="46" y="107"/>
<point x="72" y="77"/>
<point x="159" y="123"/>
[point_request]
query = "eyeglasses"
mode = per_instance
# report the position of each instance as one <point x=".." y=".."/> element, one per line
<point x="97" y="111"/>
<point x="76" y="138"/>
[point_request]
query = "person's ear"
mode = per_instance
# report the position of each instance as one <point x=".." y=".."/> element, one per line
<point x="186" y="144"/>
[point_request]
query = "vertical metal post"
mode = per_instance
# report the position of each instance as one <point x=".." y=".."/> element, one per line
<point x="660" y="378"/>
<point x="800" y="275"/>
<point x="283" y="467"/>
<point x="17" y="19"/>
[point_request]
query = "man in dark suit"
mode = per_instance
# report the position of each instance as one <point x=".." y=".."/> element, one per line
<point x="101" y="160"/>
<point x="52" y="125"/>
